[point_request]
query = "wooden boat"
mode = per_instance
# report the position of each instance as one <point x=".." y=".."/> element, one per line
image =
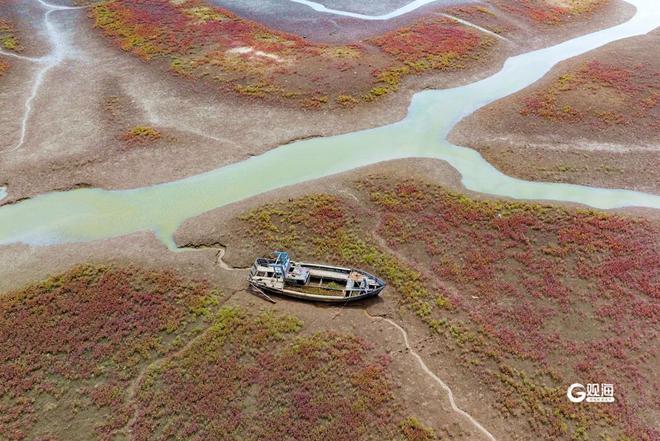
<point x="312" y="281"/>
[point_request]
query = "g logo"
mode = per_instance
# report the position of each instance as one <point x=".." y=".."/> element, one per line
<point x="578" y="396"/>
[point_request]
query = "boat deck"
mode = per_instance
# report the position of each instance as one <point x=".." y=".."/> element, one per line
<point x="312" y="281"/>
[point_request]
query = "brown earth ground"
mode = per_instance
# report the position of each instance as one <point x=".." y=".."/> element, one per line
<point x="78" y="130"/>
<point x="603" y="132"/>
<point x="218" y="251"/>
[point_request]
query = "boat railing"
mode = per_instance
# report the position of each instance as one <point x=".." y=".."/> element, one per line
<point x="322" y="266"/>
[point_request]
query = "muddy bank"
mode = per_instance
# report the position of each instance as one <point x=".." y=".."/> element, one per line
<point x="592" y="120"/>
<point x="389" y="218"/>
<point x="419" y="392"/>
<point x="416" y="391"/>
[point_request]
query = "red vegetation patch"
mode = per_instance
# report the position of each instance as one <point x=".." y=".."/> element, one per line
<point x="531" y="298"/>
<point x="97" y="351"/>
<point x="70" y="346"/>
<point x="202" y="42"/>
<point x="4" y="66"/>
<point x="251" y="377"/>
<point x="602" y="95"/>
<point x="432" y="40"/>
<point x="548" y="11"/>
<point x="565" y="290"/>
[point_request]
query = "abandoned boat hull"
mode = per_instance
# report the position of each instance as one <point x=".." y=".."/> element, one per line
<point x="317" y="297"/>
<point x="312" y="281"/>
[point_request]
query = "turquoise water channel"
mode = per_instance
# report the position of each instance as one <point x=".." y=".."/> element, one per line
<point x="94" y="214"/>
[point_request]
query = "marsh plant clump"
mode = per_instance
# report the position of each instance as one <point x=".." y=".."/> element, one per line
<point x="237" y="55"/>
<point x="254" y="376"/>
<point x="9" y="40"/>
<point x="72" y="344"/>
<point x="601" y="95"/>
<point x="100" y="352"/>
<point x="141" y="135"/>
<point x="526" y="297"/>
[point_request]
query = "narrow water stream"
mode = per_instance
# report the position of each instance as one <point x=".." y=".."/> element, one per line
<point x="94" y="214"/>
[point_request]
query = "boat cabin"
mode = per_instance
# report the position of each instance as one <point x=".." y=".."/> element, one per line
<point x="281" y="268"/>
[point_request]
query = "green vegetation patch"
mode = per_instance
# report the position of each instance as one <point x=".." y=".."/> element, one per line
<point x="8" y="38"/>
<point x="142" y="135"/>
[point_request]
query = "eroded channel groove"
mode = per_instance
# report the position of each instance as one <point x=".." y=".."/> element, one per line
<point x="59" y="52"/>
<point x="434" y="377"/>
